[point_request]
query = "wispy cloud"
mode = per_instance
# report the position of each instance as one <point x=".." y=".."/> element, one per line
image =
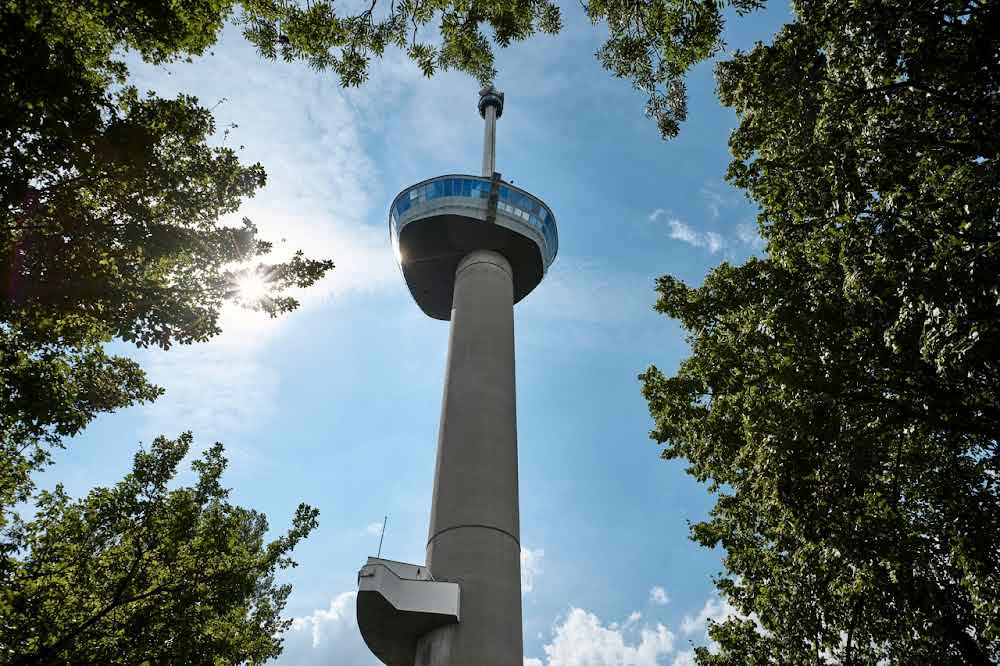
<point x="531" y="561"/>
<point x="717" y="197"/>
<point x="583" y="290"/>
<point x="582" y="304"/>
<point x="320" y="197"/>
<point x="714" y="610"/>
<point x="658" y="596"/>
<point x="685" y="234"/>
<point x="712" y="241"/>
<point x="214" y="389"/>
<point x="747" y="233"/>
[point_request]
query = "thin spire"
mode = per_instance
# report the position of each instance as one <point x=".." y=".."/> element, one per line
<point x="490" y="108"/>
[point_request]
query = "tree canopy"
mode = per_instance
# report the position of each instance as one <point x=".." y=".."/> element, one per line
<point x="842" y="395"/>
<point x="141" y="574"/>
<point x="652" y="43"/>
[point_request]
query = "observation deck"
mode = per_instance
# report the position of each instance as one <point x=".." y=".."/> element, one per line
<point x="436" y="222"/>
<point x="397" y="604"/>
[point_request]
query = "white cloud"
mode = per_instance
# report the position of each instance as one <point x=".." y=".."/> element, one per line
<point x="715" y="610"/>
<point x="213" y="389"/>
<point x="748" y="235"/>
<point x="684" y="658"/>
<point x="531" y="561"/>
<point x="684" y="233"/>
<point x="331" y="636"/>
<point x="582" y="640"/>
<point x="658" y="596"/>
<point x="373" y="529"/>
<point x="717" y="197"/>
<point x="713" y="241"/>
<point x="327" y="636"/>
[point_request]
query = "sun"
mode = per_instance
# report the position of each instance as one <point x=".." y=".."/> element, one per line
<point x="252" y="288"/>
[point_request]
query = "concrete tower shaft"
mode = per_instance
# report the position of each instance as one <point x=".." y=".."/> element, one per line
<point x="474" y="536"/>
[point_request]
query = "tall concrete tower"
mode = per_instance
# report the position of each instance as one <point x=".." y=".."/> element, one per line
<point x="469" y="247"/>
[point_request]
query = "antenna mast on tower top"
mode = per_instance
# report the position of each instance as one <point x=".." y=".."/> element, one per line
<point x="490" y="108"/>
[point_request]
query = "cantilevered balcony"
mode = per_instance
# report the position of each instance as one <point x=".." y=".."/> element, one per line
<point x="397" y="604"/>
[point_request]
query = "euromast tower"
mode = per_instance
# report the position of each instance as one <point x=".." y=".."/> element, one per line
<point x="469" y="248"/>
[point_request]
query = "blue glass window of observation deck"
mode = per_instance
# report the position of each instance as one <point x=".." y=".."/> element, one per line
<point x="511" y="202"/>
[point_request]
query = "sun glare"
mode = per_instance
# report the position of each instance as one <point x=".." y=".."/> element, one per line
<point x="252" y="288"/>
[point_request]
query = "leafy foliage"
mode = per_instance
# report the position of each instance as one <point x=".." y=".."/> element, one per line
<point x="346" y="43"/>
<point x="111" y="206"/>
<point x="655" y="42"/>
<point x="139" y="573"/>
<point x="842" y="395"/>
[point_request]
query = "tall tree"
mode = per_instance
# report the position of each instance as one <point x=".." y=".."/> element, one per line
<point x="842" y="396"/>
<point x="140" y="574"/>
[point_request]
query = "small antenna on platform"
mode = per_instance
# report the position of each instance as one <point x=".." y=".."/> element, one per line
<point x="384" y="521"/>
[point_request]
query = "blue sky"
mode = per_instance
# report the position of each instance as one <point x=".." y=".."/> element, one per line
<point x="337" y="405"/>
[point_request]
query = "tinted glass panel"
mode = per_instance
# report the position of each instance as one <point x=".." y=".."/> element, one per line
<point x="513" y="203"/>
